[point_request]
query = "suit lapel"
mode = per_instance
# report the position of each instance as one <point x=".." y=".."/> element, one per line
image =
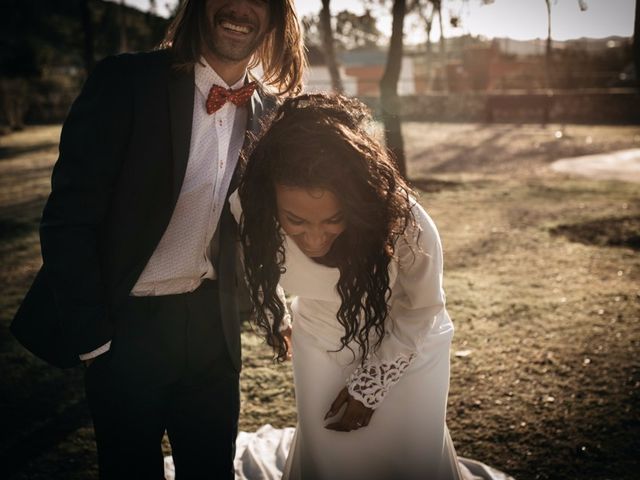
<point x="256" y="107"/>
<point x="181" y="94"/>
<point x="255" y="112"/>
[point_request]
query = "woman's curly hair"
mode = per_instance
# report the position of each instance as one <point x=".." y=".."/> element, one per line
<point x="321" y="141"/>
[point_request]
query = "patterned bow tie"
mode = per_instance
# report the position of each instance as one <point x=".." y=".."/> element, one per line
<point x="218" y="96"/>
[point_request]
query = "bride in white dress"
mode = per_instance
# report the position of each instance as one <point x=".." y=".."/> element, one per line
<point x="325" y="215"/>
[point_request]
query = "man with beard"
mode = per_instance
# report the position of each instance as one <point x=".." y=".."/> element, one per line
<point x="138" y="278"/>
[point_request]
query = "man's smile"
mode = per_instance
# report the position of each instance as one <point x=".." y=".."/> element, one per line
<point x="235" y="27"/>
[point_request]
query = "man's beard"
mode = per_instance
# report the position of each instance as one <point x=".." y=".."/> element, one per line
<point x="226" y="50"/>
<point x="229" y="50"/>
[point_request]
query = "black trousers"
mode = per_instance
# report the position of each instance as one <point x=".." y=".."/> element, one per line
<point x="168" y="369"/>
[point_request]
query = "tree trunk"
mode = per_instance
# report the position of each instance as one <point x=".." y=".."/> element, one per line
<point x="152" y="11"/>
<point x="14" y="100"/>
<point x="441" y="26"/>
<point x="124" y="47"/>
<point x="547" y="68"/>
<point x="428" y="55"/>
<point x="389" y="100"/>
<point x="328" y="46"/>
<point x="636" y="43"/>
<point x="547" y="59"/>
<point x="87" y="28"/>
<point x="443" y="49"/>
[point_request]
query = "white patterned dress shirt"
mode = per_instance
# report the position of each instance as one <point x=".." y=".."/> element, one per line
<point x="183" y="258"/>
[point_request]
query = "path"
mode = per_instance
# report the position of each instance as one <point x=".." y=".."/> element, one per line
<point x="619" y="165"/>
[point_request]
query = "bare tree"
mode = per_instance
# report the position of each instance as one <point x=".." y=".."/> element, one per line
<point x="582" y="4"/>
<point x="427" y="13"/>
<point x="173" y="10"/>
<point x="356" y="31"/>
<point x="329" y="47"/>
<point x="547" y="56"/>
<point x="123" y="27"/>
<point x="152" y="11"/>
<point x="88" y="43"/>
<point x="443" y="48"/>
<point x="389" y="100"/>
<point x="434" y="8"/>
<point x="636" y="42"/>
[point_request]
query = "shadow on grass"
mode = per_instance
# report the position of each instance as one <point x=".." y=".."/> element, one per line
<point x="456" y="155"/>
<point x="16" y="457"/>
<point x="40" y="407"/>
<point x="11" y="229"/>
<point x="609" y="231"/>
<point x="433" y="185"/>
<point x="26" y="174"/>
<point x="18" y="216"/>
<point x="14" y="151"/>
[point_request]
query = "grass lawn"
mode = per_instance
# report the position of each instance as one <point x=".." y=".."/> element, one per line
<point x="542" y="275"/>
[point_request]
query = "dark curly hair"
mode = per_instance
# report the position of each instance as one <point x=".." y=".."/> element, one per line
<point x="322" y="141"/>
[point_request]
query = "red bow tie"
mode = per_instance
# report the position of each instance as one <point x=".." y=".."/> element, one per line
<point x="218" y="96"/>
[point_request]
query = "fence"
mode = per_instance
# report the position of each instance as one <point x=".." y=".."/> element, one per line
<point x="617" y="106"/>
<point x="612" y="106"/>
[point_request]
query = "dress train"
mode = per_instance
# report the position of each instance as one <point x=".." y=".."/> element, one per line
<point x="263" y="455"/>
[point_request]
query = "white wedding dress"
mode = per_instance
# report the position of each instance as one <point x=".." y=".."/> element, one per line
<point x="406" y="381"/>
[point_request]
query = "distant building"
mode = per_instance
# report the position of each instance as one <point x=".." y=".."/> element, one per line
<point x="477" y="64"/>
<point x="360" y="71"/>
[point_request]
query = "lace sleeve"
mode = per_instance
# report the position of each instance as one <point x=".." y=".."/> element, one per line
<point x="286" y="320"/>
<point x="417" y="313"/>
<point x="371" y="382"/>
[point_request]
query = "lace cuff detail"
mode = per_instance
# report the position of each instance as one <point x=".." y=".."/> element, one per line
<point x="286" y="320"/>
<point x="370" y="383"/>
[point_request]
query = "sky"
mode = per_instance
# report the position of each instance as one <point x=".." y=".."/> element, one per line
<point x="518" y="19"/>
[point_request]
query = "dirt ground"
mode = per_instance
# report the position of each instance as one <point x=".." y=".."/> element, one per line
<point x="542" y="275"/>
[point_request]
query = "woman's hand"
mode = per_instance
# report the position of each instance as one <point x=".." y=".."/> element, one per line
<point x="355" y="416"/>
<point x="286" y="334"/>
<point x="287" y="340"/>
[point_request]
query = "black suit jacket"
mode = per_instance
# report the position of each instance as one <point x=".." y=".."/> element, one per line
<point x="123" y="155"/>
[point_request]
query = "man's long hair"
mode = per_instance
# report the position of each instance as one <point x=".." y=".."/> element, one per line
<point x="322" y="141"/>
<point x="281" y="54"/>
